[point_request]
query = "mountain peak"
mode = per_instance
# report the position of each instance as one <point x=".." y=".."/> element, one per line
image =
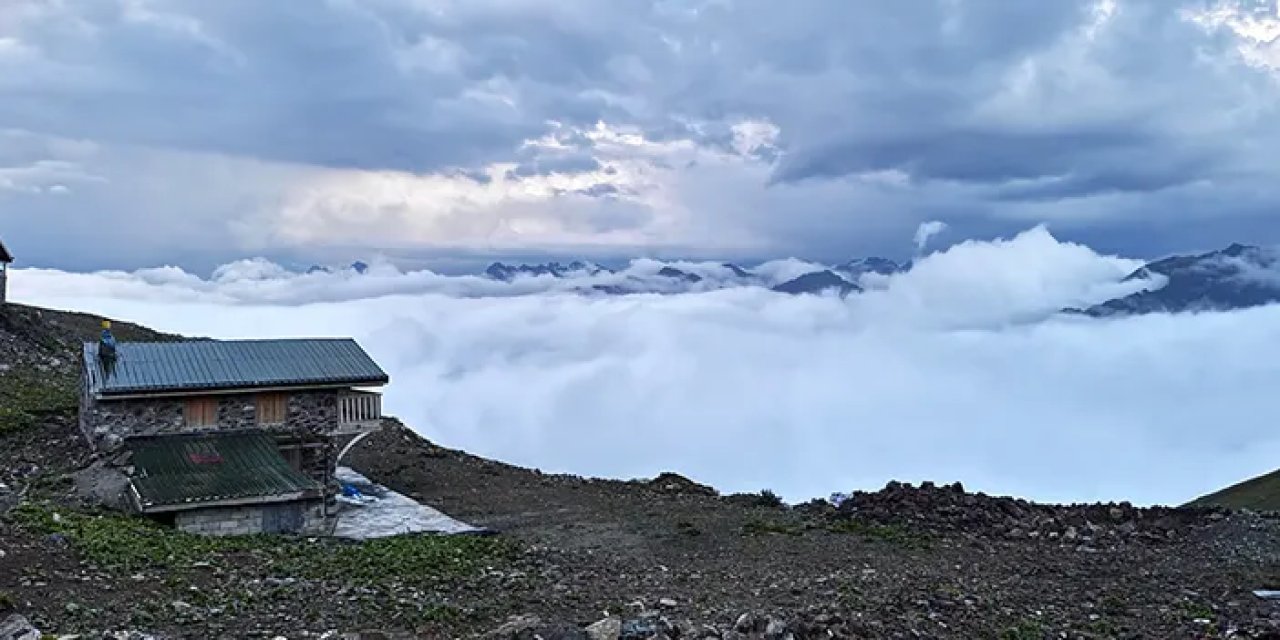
<point x="672" y="272"/>
<point x="506" y="273"/>
<point x="859" y="267"/>
<point x="1202" y="282"/>
<point x="818" y="282"/>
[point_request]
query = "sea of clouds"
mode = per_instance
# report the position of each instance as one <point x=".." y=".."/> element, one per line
<point x="960" y="369"/>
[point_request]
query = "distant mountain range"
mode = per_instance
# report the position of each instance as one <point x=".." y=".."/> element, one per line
<point x="357" y="266"/>
<point x="1237" y="277"/>
<point x="841" y="279"/>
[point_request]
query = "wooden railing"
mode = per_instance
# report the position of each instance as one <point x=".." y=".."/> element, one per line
<point x="359" y="411"/>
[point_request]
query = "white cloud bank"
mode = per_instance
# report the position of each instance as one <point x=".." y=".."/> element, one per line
<point x="957" y="370"/>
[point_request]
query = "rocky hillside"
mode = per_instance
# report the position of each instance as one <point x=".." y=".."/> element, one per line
<point x="818" y="282"/>
<point x="1259" y="494"/>
<point x="579" y="558"/>
<point x="1236" y="277"/>
<point x="39" y="351"/>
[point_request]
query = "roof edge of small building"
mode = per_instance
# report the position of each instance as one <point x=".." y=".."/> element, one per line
<point x="118" y="378"/>
<point x="156" y="392"/>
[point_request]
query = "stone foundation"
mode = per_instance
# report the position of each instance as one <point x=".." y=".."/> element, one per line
<point x="301" y="518"/>
<point x="106" y="423"/>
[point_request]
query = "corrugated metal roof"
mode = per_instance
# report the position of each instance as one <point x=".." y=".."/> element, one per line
<point x="193" y="365"/>
<point x="174" y="471"/>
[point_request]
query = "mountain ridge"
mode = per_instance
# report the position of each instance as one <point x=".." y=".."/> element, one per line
<point x="1239" y="276"/>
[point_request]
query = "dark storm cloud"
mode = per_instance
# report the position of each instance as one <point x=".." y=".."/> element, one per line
<point x="396" y="85"/>
<point x="369" y="85"/>
<point x="991" y="115"/>
<point x="965" y="156"/>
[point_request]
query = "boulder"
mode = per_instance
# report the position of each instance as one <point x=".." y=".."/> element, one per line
<point x="104" y="485"/>
<point x="17" y="627"/>
<point x="607" y="629"/>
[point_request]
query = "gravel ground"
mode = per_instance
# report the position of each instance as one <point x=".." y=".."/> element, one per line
<point x="909" y="563"/>
<point x="670" y="557"/>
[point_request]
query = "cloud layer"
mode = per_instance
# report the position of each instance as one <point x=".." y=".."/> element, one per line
<point x="198" y="131"/>
<point x="957" y="370"/>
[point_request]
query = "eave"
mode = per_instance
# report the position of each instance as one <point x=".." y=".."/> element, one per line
<point x="207" y="391"/>
<point x="229" y="502"/>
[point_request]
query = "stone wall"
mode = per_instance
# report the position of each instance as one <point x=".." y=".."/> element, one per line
<point x="106" y="423"/>
<point x="314" y="457"/>
<point x="301" y="518"/>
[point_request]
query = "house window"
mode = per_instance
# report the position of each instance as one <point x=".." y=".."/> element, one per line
<point x="201" y="412"/>
<point x="273" y="408"/>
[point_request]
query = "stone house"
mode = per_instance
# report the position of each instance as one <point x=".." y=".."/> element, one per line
<point x="6" y="259"/>
<point x="229" y="436"/>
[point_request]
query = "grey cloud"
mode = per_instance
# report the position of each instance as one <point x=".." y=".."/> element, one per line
<point x="600" y="190"/>
<point x="1099" y="137"/>
<point x="391" y="85"/>
<point x="967" y="156"/>
<point x="569" y="163"/>
<point x="1161" y="95"/>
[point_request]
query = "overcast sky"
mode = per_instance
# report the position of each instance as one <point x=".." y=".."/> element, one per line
<point x="145" y="132"/>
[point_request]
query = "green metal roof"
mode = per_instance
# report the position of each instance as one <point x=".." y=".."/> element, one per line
<point x="176" y="472"/>
<point x="209" y="365"/>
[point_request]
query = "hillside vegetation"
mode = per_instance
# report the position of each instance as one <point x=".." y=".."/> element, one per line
<point x="39" y="351"/>
<point x="1258" y="494"/>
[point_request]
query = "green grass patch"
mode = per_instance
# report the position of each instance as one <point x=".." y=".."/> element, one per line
<point x="1261" y="493"/>
<point x="891" y="533"/>
<point x="1113" y="605"/>
<point x="765" y="499"/>
<point x="1198" y="611"/>
<point x="126" y="544"/>
<point x="1024" y="630"/>
<point x="26" y="394"/>
<point x="759" y="526"/>
<point x="687" y="529"/>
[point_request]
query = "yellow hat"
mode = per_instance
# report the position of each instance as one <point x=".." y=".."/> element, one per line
<point x="106" y="324"/>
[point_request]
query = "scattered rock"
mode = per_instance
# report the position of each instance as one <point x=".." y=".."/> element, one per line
<point x="514" y="627"/>
<point x="643" y="628"/>
<point x="775" y="629"/>
<point x="950" y="510"/>
<point x="102" y="485"/>
<point x="607" y="629"/>
<point x="17" y="627"/>
<point x="676" y="484"/>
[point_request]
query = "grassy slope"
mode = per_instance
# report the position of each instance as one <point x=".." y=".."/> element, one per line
<point x="1259" y="494"/>
<point x="39" y="351"/>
